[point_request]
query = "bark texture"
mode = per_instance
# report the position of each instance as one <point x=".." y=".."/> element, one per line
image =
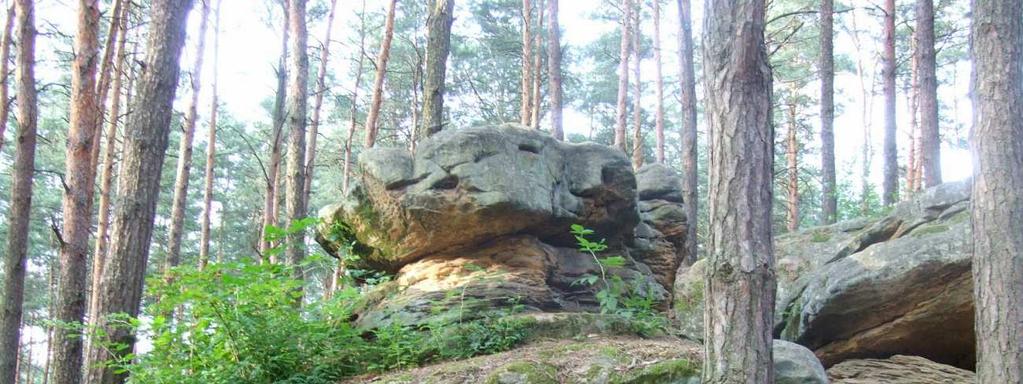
<point x="930" y="136"/>
<point x="637" y="106"/>
<point x="890" y="186"/>
<point x="180" y="199"/>
<point x="792" y="170"/>
<point x="437" y="47"/>
<point x="297" y="114"/>
<point x="78" y="194"/>
<point x="623" y="76"/>
<point x="687" y="79"/>
<point x="526" y="107"/>
<point x="554" y="70"/>
<point x="740" y="280"/>
<point x="16" y="253"/>
<point x="997" y="209"/>
<point x="378" y="80"/>
<point x="145" y="146"/>
<point x="829" y="205"/>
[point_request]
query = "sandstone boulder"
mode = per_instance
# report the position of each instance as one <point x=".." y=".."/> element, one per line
<point x="898" y="370"/>
<point x="794" y="364"/>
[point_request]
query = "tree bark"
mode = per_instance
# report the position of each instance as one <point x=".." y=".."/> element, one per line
<point x="623" y="76"/>
<point x="890" y="186"/>
<point x="145" y="146"/>
<point x="658" y="84"/>
<point x="997" y="206"/>
<point x="78" y="194"/>
<point x="5" y="71"/>
<point x="792" y="170"/>
<point x="687" y="80"/>
<point x="270" y="197"/>
<point x="637" y="106"/>
<point x="526" y="108"/>
<point x="930" y="155"/>
<point x="106" y="177"/>
<point x="378" y="80"/>
<point x="180" y="199"/>
<point x="353" y="111"/>
<point x="829" y="193"/>
<point x="16" y="253"/>
<point x="437" y="47"/>
<point x="297" y="115"/>
<point x="211" y="152"/>
<point x="554" y="70"/>
<point x="105" y="75"/>
<point x="740" y="277"/>
<point x="321" y="90"/>
<point x="534" y="112"/>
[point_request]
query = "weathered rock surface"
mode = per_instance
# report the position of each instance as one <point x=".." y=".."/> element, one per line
<point x="599" y="360"/>
<point x="794" y="364"/>
<point x="478" y="219"/>
<point x="871" y="288"/>
<point x="898" y="370"/>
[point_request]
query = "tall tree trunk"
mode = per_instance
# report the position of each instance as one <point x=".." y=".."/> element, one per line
<point x="106" y="176"/>
<point x="16" y="254"/>
<point x="907" y="89"/>
<point x="5" y="71"/>
<point x="687" y="80"/>
<point x="792" y="169"/>
<point x="658" y="84"/>
<point x="105" y="75"/>
<point x="270" y="197"/>
<point x="437" y="47"/>
<point x="52" y="294"/>
<point x="526" y="108"/>
<point x="913" y="96"/>
<point x="180" y="199"/>
<point x="890" y="187"/>
<point x="637" y="106"/>
<point x="866" y="97"/>
<point x="211" y="152"/>
<point x="829" y="193"/>
<point x="740" y="277"/>
<point x="554" y="69"/>
<point x="623" y="76"/>
<point x="145" y="146"/>
<point x="930" y="154"/>
<point x="997" y="206"/>
<point x="534" y="112"/>
<point x="297" y="114"/>
<point x="78" y="194"/>
<point x="321" y="90"/>
<point x="378" y="80"/>
<point x="354" y="109"/>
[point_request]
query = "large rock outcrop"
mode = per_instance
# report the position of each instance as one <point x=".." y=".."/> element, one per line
<point x="898" y="369"/>
<point x="868" y="288"/>
<point x="478" y="219"/>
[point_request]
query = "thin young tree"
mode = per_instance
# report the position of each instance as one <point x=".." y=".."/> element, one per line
<point x="378" y="81"/>
<point x="145" y="146"/>
<point x="5" y="71"/>
<point x="211" y="151"/>
<point x="930" y="154"/>
<point x="105" y="76"/>
<point x="16" y="253"/>
<point x="107" y="170"/>
<point x="321" y="90"/>
<point x="829" y="203"/>
<point x="354" y="106"/>
<point x="526" y="109"/>
<point x="270" y="196"/>
<point x="890" y="186"/>
<point x="554" y="70"/>
<point x="297" y="114"/>
<point x="637" y="106"/>
<point x="180" y="199"/>
<point x="437" y="48"/>
<point x="740" y="281"/>
<point x="658" y="84"/>
<point x="623" y="76"/>
<point x="792" y="167"/>
<point x="687" y="84"/>
<point x="997" y="205"/>
<point x="534" y="112"/>
<point x="80" y="184"/>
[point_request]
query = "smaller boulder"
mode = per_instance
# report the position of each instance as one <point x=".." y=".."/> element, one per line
<point x="794" y="364"/>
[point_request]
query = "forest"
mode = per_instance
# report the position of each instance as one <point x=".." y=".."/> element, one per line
<point x="511" y="191"/>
